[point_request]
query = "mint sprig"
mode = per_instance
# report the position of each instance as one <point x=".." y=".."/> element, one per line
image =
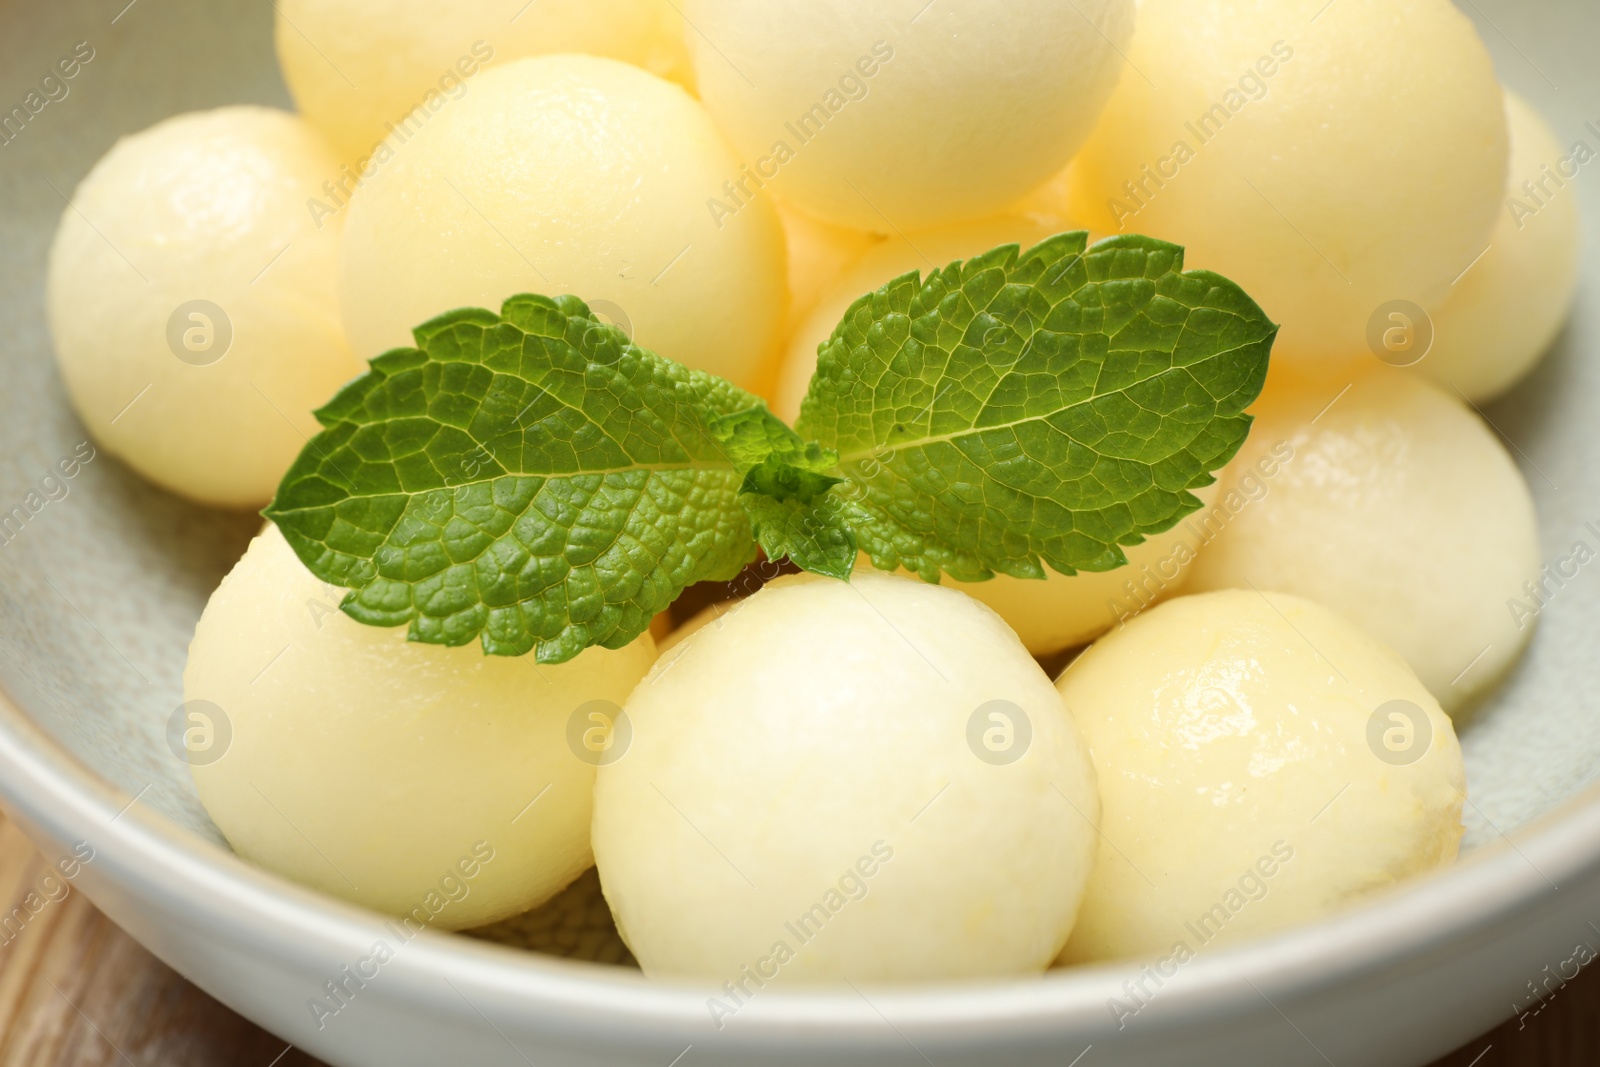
<point x="535" y="481"/>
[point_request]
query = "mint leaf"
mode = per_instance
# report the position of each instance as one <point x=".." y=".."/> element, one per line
<point x="532" y="480"/>
<point x="1041" y="407"/>
<point x="786" y="492"/>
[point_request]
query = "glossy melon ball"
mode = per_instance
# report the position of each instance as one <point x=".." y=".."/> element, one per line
<point x="1504" y="313"/>
<point x="393" y="774"/>
<point x="1328" y="158"/>
<point x="569" y="174"/>
<point x="863" y="781"/>
<point x="192" y="301"/>
<point x="883" y="262"/>
<point x="359" y="69"/>
<point x="1262" y="762"/>
<point x="884" y="118"/>
<point x="1399" y="509"/>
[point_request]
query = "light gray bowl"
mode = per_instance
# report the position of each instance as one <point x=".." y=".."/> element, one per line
<point x="100" y="589"/>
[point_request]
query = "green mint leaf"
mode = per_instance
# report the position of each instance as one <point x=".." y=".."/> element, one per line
<point x="1041" y="407"/>
<point x="532" y="480"/>
<point x="786" y="492"/>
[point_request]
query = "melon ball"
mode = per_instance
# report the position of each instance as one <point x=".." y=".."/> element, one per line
<point x="706" y="616"/>
<point x="922" y="252"/>
<point x="1261" y="763"/>
<point x="818" y="253"/>
<point x="868" y="781"/>
<point x="899" y="120"/>
<point x="1049" y="205"/>
<point x="400" y="776"/>
<point x="1328" y="158"/>
<point x="1395" y="506"/>
<point x="1066" y="610"/>
<point x="1504" y="313"/>
<point x="569" y="174"/>
<point x="192" y="299"/>
<point x="358" y="69"/>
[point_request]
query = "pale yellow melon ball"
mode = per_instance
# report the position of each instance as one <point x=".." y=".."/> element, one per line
<point x="1066" y="610"/>
<point x="1050" y="204"/>
<point x="1504" y="312"/>
<point x="1397" y="507"/>
<point x="868" y="781"/>
<point x="1261" y="763"/>
<point x="191" y="297"/>
<point x="1329" y="158"/>
<point x="818" y="253"/>
<point x="710" y="615"/>
<point x="922" y="252"/>
<point x="569" y="174"/>
<point x="882" y="117"/>
<point x="397" y="775"/>
<point x="359" y="68"/>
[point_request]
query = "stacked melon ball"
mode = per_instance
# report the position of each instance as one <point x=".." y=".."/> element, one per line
<point x="873" y="780"/>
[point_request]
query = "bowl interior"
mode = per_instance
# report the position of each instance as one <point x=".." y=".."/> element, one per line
<point x="102" y="577"/>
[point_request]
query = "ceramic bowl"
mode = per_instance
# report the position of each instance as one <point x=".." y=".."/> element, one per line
<point x="100" y="587"/>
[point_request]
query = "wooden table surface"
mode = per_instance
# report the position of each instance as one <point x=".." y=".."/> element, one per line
<point x="75" y="991"/>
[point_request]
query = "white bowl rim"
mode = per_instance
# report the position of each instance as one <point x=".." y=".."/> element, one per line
<point x="274" y="920"/>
